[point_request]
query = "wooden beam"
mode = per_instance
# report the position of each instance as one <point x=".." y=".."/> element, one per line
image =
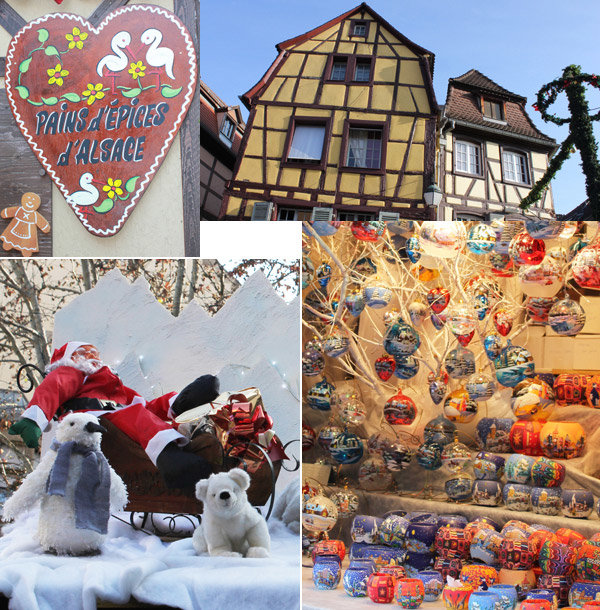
<point x="106" y="7"/>
<point x="10" y="20"/>
<point x="189" y="12"/>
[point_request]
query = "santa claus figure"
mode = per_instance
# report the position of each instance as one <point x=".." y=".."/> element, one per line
<point x="78" y="380"/>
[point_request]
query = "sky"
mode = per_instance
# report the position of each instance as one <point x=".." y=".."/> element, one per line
<point x="519" y="44"/>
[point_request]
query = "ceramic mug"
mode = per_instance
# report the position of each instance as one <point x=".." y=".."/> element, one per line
<point x="355" y="581"/>
<point x="547" y="594"/>
<point x="516" y="496"/>
<point x="486" y="492"/>
<point x="484" y="600"/>
<point x="517" y="468"/>
<point x="380" y="588"/>
<point x="410" y="592"/>
<point x="365" y="529"/>
<point x="327" y="571"/>
<point x="546" y="501"/>
<point x="433" y="584"/>
<point x="457" y="598"/>
<point x="577" y="503"/>
<point x="507" y="595"/>
<point x="488" y="466"/>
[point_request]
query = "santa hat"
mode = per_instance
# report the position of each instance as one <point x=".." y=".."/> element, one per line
<point x="62" y="355"/>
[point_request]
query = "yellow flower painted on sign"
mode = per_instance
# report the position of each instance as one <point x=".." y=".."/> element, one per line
<point x="76" y="38"/>
<point x="93" y="93"/>
<point x="56" y="75"/>
<point x="113" y="188"/>
<point x="138" y="69"/>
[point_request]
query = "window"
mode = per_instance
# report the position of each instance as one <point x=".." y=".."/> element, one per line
<point x="493" y="110"/>
<point x="306" y="143"/>
<point x="515" y="167"/>
<point x="228" y="128"/>
<point x="364" y="148"/>
<point x="359" y="28"/>
<point x="362" y="70"/>
<point x="339" y="69"/>
<point x="354" y="216"/>
<point x="349" y="69"/>
<point x="291" y="214"/>
<point x="467" y="158"/>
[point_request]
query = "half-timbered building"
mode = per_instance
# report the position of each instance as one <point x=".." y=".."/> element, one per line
<point x="342" y="125"/>
<point x="490" y="152"/>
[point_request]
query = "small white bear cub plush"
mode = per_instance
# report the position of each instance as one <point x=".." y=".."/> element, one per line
<point x="230" y="526"/>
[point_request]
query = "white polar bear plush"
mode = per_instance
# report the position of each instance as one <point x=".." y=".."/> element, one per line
<point x="230" y="526"/>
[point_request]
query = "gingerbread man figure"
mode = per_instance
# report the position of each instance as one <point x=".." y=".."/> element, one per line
<point x="21" y="233"/>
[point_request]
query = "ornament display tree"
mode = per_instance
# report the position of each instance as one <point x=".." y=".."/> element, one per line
<point x="470" y="322"/>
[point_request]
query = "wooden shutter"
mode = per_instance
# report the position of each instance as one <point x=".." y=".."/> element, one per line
<point x="262" y="210"/>
<point x="322" y="214"/>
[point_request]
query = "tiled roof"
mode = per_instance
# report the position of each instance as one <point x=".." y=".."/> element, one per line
<point x="210" y="103"/>
<point x="463" y="104"/>
<point x="583" y="211"/>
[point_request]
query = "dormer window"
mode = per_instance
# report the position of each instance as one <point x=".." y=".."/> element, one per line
<point x="493" y="110"/>
<point x="359" y="28"/>
<point x="227" y="131"/>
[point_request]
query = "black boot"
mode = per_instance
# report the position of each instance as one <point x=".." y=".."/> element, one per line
<point x="200" y="392"/>
<point x="181" y="469"/>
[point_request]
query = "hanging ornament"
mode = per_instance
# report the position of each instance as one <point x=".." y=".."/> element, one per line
<point x="375" y="294"/>
<point x="543" y="280"/>
<point x="319" y="514"/>
<point x="586" y="266"/>
<point x="308" y="437"/>
<point x="558" y="255"/>
<point x="532" y="399"/>
<point x="481" y="238"/>
<point x="544" y="229"/>
<point x="319" y="396"/>
<point x="580" y="244"/>
<point x="373" y="475"/>
<point x="503" y="322"/>
<point x="513" y="365"/>
<point x="480" y="387"/>
<point x="464" y="340"/>
<point x="413" y="249"/>
<point x="376" y="443"/>
<point x="443" y="239"/>
<point x="456" y="456"/>
<point x="352" y="412"/>
<point x="391" y="317"/>
<point x="501" y="264"/>
<point x="346" y="448"/>
<point x="363" y="267"/>
<point x="437" y="390"/>
<point x="326" y="435"/>
<point x="505" y="235"/>
<point x="438" y="299"/>
<point x="354" y="302"/>
<point x="406" y="367"/>
<point x="461" y="319"/>
<point x="310" y="490"/>
<point x="367" y="230"/>
<point x="318" y="301"/>
<point x="440" y="431"/>
<point x="459" y="363"/>
<point x="400" y="410"/>
<point x="385" y="367"/>
<point x="429" y="456"/>
<point x="459" y="408"/>
<point x="308" y="272"/>
<point x="397" y="456"/>
<point x="346" y="501"/>
<point x="424" y="275"/>
<point x="324" y="228"/>
<point x="401" y="339"/>
<point x="571" y="227"/>
<point x="336" y="345"/>
<point x="323" y="274"/>
<point x="404" y="228"/>
<point x="493" y="345"/>
<point x="538" y="308"/>
<point x="566" y="317"/>
<point x="418" y="312"/>
<point x="313" y="362"/>
<point x="481" y="305"/>
<point x="485" y="285"/>
<point x="438" y="321"/>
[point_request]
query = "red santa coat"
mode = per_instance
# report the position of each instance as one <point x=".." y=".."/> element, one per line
<point x="143" y="421"/>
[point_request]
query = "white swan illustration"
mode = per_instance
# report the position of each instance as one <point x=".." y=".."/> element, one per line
<point x="86" y="197"/>
<point x="158" y="57"/>
<point x="118" y="62"/>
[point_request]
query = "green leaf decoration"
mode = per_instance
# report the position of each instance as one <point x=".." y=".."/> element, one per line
<point x="130" y="184"/>
<point x="132" y="92"/>
<point x="23" y="92"/>
<point x="50" y="101"/>
<point x="106" y="206"/>
<point x="71" y="97"/>
<point x="170" y="92"/>
<point x="35" y="103"/>
<point x="51" y="51"/>
<point x="43" y="35"/>
<point x="24" y="65"/>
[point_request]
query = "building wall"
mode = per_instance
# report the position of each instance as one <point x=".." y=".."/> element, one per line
<point x="213" y="176"/>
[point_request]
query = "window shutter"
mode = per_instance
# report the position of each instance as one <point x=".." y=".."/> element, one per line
<point x="389" y="216"/>
<point x="322" y="214"/>
<point x="262" y="210"/>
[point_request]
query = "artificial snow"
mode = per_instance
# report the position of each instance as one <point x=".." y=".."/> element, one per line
<point x="137" y="565"/>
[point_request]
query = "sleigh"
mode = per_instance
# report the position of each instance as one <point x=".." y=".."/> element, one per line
<point x="147" y="493"/>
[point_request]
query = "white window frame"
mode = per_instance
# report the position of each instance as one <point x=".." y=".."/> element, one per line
<point x="309" y="154"/>
<point x="467" y="157"/>
<point x="515" y="167"/>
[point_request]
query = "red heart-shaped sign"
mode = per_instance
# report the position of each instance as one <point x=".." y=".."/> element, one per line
<point x="100" y="106"/>
<point x="438" y="299"/>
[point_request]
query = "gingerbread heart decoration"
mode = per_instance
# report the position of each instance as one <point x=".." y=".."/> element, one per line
<point x="438" y="299"/>
<point x="100" y="107"/>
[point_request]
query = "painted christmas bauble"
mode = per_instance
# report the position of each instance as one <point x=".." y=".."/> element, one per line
<point x="459" y="488"/>
<point x="570" y="388"/>
<point x="559" y="255"/>
<point x="547" y="473"/>
<point x="484" y="600"/>
<point x="503" y="322"/>
<point x="459" y="408"/>
<point x="481" y="238"/>
<point x="438" y="320"/>
<point x="376" y="295"/>
<point x="456" y="597"/>
<point x="443" y="239"/>
<point x="525" y="437"/>
<point x="538" y="308"/>
<point x="355" y="303"/>
<point x="488" y="466"/>
<point x="438" y="299"/>
<point x="481" y="305"/>
<point x="456" y="456"/>
<point x="487" y="493"/>
<point x="324" y="228"/>
<point x="514" y="364"/>
<point x="309" y="490"/>
<point x="566" y="317"/>
<point x="406" y="367"/>
<point x="365" y="529"/>
<point x="485" y="285"/>
<point x="492" y="434"/>
<point x="517" y="468"/>
<point x="546" y="501"/>
<point x="385" y="367"/>
<point x="459" y="363"/>
<point x="319" y="396"/>
<point x="346" y="448"/>
<point x="461" y="319"/>
<point x="326" y="434"/>
<point x="586" y="267"/>
<point x="501" y="264"/>
<point x="409" y="592"/>
<point x="516" y="496"/>
<point x="313" y="362"/>
<point x="429" y="456"/>
<point x="562" y="439"/>
<point x="544" y="229"/>
<point x="418" y="312"/>
<point x="327" y="572"/>
<point x="397" y="456"/>
<point x="577" y="503"/>
<point x="400" y="410"/>
<point x="324" y="274"/>
<point x="380" y="588"/>
<point x="480" y="387"/>
<point x="401" y="339"/>
<point x="542" y="280"/>
<point x="433" y="583"/>
<point x="336" y="345"/>
<point x="439" y="430"/>
<point x="526" y="250"/>
<point x="413" y="249"/>
<point x="346" y="501"/>
<point x="352" y="411"/>
<point x="308" y="437"/>
<point x="438" y="390"/>
<point x="391" y="317"/>
<point x="319" y="514"/>
<point x="532" y="399"/>
<point x="367" y="230"/>
<point x="493" y="345"/>
<point x="373" y="475"/>
<point x="362" y="267"/>
<point x="308" y="272"/>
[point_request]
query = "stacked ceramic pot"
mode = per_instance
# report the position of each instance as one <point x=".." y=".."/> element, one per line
<point x="488" y="469"/>
<point x="327" y="556"/>
<point x="546" y="493"/>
